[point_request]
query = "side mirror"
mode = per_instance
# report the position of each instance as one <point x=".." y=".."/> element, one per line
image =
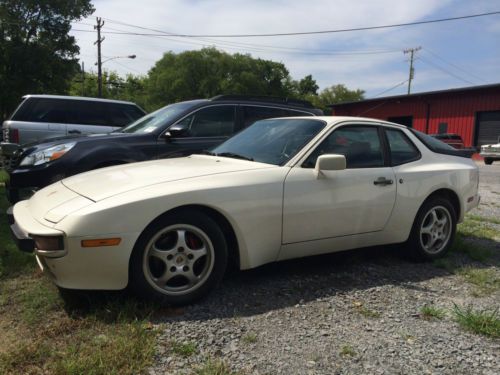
<point x="176" y="131"/>
<point x="329" y="162"/>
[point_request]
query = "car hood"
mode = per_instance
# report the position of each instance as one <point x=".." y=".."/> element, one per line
<point x="29" y="148"/>
<point x="106" y="182"/>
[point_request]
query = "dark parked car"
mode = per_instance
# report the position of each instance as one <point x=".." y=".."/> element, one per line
<point x="176" y="130"/>
<point x="454" y="140"/>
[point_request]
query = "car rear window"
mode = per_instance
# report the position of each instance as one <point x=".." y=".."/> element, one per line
<point x="438" y="146"/>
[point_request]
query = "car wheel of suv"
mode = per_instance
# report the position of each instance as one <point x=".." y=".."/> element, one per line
<point x="433" y="230"/>
<point x="179" y="258"/>
<point x="488" y="161"/>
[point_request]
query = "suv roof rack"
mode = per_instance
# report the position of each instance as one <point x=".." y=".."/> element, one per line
<point x="263" y="98"/>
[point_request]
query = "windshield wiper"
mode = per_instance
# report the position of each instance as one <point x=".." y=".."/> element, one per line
<point x="233" y="155"/>
<point x="206" y="152"/>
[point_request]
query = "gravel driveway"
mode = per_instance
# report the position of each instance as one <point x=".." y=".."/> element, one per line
<point x="356" y="312"/>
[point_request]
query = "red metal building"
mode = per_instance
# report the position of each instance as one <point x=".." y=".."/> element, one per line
<point x="471" y="112"/>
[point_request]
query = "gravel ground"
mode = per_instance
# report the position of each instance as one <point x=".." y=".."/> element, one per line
<point x="356" y="312"/>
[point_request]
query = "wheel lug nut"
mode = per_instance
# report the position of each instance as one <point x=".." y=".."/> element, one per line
<point x="169" y="257"/>
<point x="185" y="268"/>
<point x="190" y="256"/>
<point x="172" y="269"/>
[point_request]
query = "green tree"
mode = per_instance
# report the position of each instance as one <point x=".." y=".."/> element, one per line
<point x="209" y="72"/>
<point x="335" y="94"/>
<point x="37" y="55"/>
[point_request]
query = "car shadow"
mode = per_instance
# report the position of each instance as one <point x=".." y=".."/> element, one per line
<point x="284" y="284"/>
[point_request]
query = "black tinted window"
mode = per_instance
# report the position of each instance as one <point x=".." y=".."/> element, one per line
<point x="42" y="110"/>
<point x="217" y="121"/>
<point x="402" y="149"/>
<point x="123" y="114"/>
<point x="252" y="114"/>
<point x="359" y="144"/>
<point x="87" y="113"/>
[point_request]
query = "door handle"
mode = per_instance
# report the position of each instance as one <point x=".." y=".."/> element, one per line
<point x="383" y="181"/>
<point x="74" y="132"/>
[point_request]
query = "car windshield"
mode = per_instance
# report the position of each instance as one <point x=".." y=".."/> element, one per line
<point x="272" y="141"/>
<point x="159" y="118"/>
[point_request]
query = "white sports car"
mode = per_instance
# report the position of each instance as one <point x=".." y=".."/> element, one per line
<point x="490" y="153"/>
<point x="280" y="189"/>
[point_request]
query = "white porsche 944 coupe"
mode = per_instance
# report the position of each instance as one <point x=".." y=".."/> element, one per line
<point x="280" y="189"/>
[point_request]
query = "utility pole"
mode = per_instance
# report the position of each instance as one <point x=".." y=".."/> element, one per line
<point x="99" y="40"/>
<point x="411" y="51"/>
<point x="83" y="78"/>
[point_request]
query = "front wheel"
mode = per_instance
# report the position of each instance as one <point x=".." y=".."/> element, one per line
<point x="433" y="230"/>
<point x="179" y="258"/>
<point x="488" y="161"/>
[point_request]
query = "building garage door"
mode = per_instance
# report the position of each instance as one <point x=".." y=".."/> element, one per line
<point x="487" y="128"/>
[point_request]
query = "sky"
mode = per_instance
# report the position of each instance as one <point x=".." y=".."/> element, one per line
<point x="453" y="54"/>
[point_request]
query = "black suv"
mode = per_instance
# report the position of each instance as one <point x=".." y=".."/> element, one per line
<point x="178" y="129"/>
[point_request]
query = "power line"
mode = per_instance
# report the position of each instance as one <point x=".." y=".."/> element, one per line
<point x="257" y="47"/>
<point x="445" y="71"/>
<point x="453" y="65"/>
<point x="390" y="89"/>
<point x="321" y="31"/>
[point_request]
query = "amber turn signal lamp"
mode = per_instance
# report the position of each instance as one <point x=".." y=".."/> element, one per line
<point x="101" y="242"/>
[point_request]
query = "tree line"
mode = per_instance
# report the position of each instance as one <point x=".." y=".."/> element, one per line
<point x="38" y="56"/>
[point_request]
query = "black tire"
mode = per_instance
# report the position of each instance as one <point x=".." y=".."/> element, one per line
<point x="162" y="261"/>
<point x="488" y="161"/>
<point x="422" y="245"/>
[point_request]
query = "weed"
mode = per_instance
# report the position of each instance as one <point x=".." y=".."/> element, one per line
<point x="484" y="219"/>
<point x="473" y="251"/>
<point x="483" y="322"/>
<point x="217" y="367"/>
<point x="366" y="312"/>
<point x="185" y="349"/>
<point x="250" y="338"/>
<point x="486" y="280"/>
<point x="431" y="312"/>
<point x="478" y="229"/>
<point x="347" y="351"/>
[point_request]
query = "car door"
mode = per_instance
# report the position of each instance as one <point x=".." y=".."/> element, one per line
<point x="201" y="130"/>
<point x="356" y="200"/>
<point x="87" y="117"/>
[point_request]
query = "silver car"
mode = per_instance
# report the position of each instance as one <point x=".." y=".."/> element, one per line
<point x="39" y="117"/>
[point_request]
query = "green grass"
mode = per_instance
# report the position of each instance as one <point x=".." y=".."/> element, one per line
<point x="486" y="280"/>
<point x="216" y="367"/>
<point x="250" y="338"/>
<point x="432" y="312"/>
<point x="347" y="351"/>
<point x="483" y="322"/>
<point x="478" y="229"/>
<point x="183" y="349"/>
<point x="473" y="251"/>
<point x="483" y="219"/>
<point x="40" y="334"/>
<point x="365" y="311"/>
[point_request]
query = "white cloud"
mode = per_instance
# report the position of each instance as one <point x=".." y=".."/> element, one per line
<point x="373" y="73"/>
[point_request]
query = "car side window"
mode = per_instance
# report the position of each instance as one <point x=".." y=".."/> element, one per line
<point x="45" y="110"/>
<point x="122" y="114"/>
<point x="216" y="121"/>
<point x="86" y="112"/>
<point x="402" y="150"/>
<point x="360" y="145"/>
<point x="254" y="113"/>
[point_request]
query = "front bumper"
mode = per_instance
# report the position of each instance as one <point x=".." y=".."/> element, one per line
<point x="491" y="155"/>
<point x="75" y="267"/>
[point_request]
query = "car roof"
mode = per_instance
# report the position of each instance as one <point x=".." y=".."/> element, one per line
<point x="332" y="120"/>
<point x="44" y="96"/>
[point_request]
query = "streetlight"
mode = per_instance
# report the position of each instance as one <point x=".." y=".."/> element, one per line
<point x="99" y="69"/>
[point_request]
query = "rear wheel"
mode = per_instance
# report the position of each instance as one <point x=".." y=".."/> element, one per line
<point x="179" y="258"/>
<point x="488" y="161"/>
<point x="433" y="230"/>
